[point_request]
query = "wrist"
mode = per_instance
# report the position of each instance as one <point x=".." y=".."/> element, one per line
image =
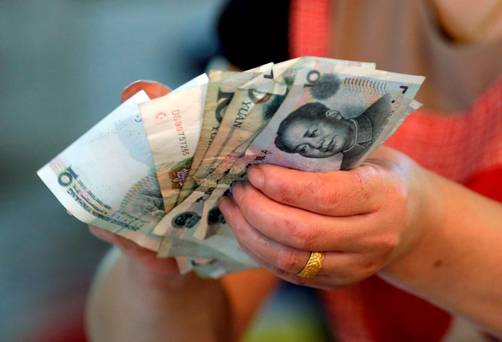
<point x="425" y="228"/>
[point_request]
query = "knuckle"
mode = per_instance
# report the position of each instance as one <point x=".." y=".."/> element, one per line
<point x="326" y="198"/>
<point x="363" y="185"/>
<point x="300" y="235"/>
<point x="286" y="193"/>
<point x="369" y="267"/>
<point x="358" y="272"/>
<point x="285" y="275"/>
<point x="287" y="261"/>
<point x="387" y="243"/>
<point x="292" y="190"/>
<point x="329" y="197"/>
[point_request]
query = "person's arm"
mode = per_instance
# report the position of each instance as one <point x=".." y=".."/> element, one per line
<point x="422" y="232"/>
<point x="457" y="263"/>
<point x="133" y="302"/>
<point x="130" y="303"/>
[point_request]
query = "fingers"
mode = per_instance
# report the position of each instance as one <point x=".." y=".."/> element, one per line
<point x="127" y="246"/>
<point x="283" y="257"/>
<point x="340" y="193"/>
<point x="112" y="238"/>
<point x="146" y="257"/>
<point x="298" y="228"/>
<point x="153" y="89"/>
<point x="286" y="262"/>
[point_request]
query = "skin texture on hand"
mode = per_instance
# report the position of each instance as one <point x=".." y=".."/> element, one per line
<point x="153" y="89"/>
<point x="362" y="219"/>
<point x="419" y="231"/>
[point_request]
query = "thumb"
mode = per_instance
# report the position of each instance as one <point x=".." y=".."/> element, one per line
<point x="153" y="89"/>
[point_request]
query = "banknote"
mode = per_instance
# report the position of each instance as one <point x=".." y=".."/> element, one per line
<point x="247" y="113"/>
<point x="210" y="267"/>
<point x="215" y="268"/>
<point x="157" y="174"/>
<point x="381" y="110"/>
<point x="333" y="116"/>
<point x="107" y="177"/>
<point x="212" y="257"/>
<point x="220" y="94"/>
<point x="208" y="257"/>
<point x="222" y="246"/>
<point x="214" y="106"/>
<point x="253" y="106"/>
<point x="211" y="217"/>
<point x="221" y="89"/>
<point x="255" y="101"/>
<point x="173" y="124"/>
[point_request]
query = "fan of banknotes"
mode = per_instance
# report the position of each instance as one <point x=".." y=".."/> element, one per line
<point x="153" y="171"/>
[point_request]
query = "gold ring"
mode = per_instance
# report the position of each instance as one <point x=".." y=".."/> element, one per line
<point x="313" y="265"/>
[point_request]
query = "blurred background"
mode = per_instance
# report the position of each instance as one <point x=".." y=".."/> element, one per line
<point x="63" y="64"/>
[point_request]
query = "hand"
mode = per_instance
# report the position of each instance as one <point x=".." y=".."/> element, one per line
<point x="142" y="261"/>
<point x="362" y="220"/>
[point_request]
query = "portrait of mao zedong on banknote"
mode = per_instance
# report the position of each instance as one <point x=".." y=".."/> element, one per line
<point x="316" y="131"/>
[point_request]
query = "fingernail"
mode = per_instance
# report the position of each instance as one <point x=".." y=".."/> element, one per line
<point x="256" y="176"/>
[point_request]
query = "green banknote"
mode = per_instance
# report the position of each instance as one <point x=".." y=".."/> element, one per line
<point x="221" y="89"/>
<point x="251" y="100"/>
